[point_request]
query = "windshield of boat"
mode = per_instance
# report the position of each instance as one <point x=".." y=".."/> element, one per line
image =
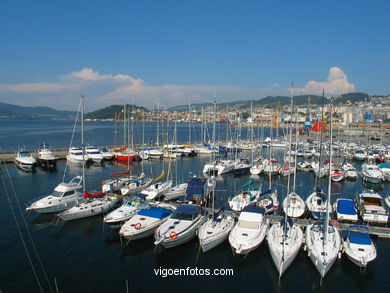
<point x="93" y="152"/>
<point x="248" y="224"/>
<point x="56" y="194"/>
<point x="133" y="203"/>
<point x="181" y="216"/>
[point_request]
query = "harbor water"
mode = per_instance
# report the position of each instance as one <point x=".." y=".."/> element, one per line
<point x="87" y="256"/>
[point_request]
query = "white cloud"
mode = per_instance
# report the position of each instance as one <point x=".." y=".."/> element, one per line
<point x="337" y="83"/>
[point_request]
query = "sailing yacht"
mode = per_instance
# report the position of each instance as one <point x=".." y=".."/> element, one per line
<point x="323" y="240"/>
<point x="284" y="239"/>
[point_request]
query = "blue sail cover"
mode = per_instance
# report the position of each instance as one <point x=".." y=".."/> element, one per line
<point x="253" y="209"/>
<point x="158" y="213"/>
<point x="357" y="237"/>
<point x="140" y="195"/>
<point x="195" y="186"/>
<point x="346" y="207"/>
<point x="187" y="209"/>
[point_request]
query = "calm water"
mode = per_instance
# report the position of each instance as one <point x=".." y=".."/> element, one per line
<point x="86" y="256"/>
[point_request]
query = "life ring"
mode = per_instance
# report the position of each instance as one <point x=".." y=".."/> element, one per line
<point x="173" y="235"/>
<point x="137" y="226"/>
<point x="334" y="223"/>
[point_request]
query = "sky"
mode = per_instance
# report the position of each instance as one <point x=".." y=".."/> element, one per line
<point x="188" y="51"/>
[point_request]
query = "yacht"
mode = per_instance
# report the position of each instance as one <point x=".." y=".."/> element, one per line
<point x="46" y="157"/>
<point x="293" y="205"/>
<point x="144" y="223"/>
<point x="345" y="210"/>
<point x="157" y="190"/>
<point x="94" y="154"/>
<point x="25" y="161"/>
<point x="358" y="246"/>
<point x="317" y="204"/>
<point x="371" y="207"/>
<point x="250" y="230"/>
<point x="75" y="155"/>
<point x="126" y="211"/>
<point x="106" y="153"/>
<point x="371" y="173"/>
<point x="180" y="227"/>
<point x="64" y="196"/>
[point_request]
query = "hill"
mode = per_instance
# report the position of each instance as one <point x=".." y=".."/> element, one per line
<point x="10" y="111"/>
<point x="109" y="112"/>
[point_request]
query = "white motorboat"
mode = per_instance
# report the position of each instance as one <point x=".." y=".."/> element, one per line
<point x="157" y="190"/>
<point x="94" y="154"/>
<point x="25" y="161"/>
<point x="360" y="155"/>
<point x="215" y="231"/>
<point x="64" y="196"/>
<point x="115" y="184"/>
<point x="345" y="210"/>
<point x="144" y="223"/>
<point x="305" y="166"/>
<point x="284" y="242"/>
<point x="92" y="205"/>
<point x="152" y="153"/>
<point x="46" y="158"/>
<point x="371" y="207"/>
<point x="323" y="245"/>
<point x="75" y="155"/>
<point x="358" y="246"/>
<point x="219" y="167"/>
<point x="293" y="205"/>
<point x="371" y="173"/>
<point x="106" y="153"/>
<point x="250" y="230"/>
<point x="177" y="191"/>
<point x="317" y="204"/>
<point x="181" y="226"/>
<point x="126" y="211"/>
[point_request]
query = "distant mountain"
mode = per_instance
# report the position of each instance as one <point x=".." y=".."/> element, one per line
<point x="273" y="101"/>
<point x="9" y="111"/>
<point x="109" y="112"/>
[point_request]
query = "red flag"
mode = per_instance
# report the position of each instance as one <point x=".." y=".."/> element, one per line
<point x="319" y="127"/>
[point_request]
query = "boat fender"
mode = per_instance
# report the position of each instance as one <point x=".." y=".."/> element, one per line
<point x="137" y="226"/>
<point x="173" y="235"/>
<point x="334" y="223"/>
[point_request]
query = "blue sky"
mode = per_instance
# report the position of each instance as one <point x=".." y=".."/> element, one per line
<point x="184" y="51"/>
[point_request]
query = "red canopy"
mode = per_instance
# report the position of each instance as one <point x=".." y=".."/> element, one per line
<point x="319" y="127"/>
<point x="93" y="195"/>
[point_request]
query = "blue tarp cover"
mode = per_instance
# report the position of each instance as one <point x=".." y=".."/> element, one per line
<point x="254" y="209"/>
<point x="195" y="186"/>
<point x="359" y="238"/>
<point x="384" y="165"/>
<point x="187" y="209"/>
<point x="140" y="195"/>
<point x="158" y="213"/>
<point x="346" y="207"/>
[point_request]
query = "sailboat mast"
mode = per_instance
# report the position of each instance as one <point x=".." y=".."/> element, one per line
<point x="330" y="173"/>
<point x="290" y="140"/>
<point x="82" y="140"/>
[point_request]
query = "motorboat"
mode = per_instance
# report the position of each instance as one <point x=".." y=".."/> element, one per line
<point x="157" y="190"/>
<point x="64" y="196"/>
<point x="92" y="205"/>
<point x="371" y="173"/>
<point x="293" y="205"/>
<point x="215" y="230"/>
<point x="106" y="153"/>
<point x="345" y="210"/>
<point x="358" y="246"/>
<point x="250" y="230"/>
<point x="177" y="191"/>
<point x="25" y="161"/>
<point x="144" y="223"/>
<point x="323" y="244"/>
<point x="46" y="158"/>
<point x="181" y="226"/>
<point x="317" y="204"/>
<point x="153" y="153"/>
<point x="284" y="239"/>
<point x="305" y="166"/>
<point x="76" y="155"/>
<point x="219" y="167"/>
<point x="94" y="154"/>
<point x="371" y="207"/>
<point x="126" y="211"/>
<point x="360" y="155"/>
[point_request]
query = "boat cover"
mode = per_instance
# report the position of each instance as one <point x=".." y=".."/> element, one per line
<point x="357" y="237"/>
<point x="187" y="209"/>
<point x="195" y="186"/>
<point x="384" y="165"/>
<point x="156" y="212"/>
<point x="254" y="209"/>
<point x="346" y="207"/>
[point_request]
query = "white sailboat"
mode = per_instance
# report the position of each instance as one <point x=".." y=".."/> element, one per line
<point x="323" y="240"/>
